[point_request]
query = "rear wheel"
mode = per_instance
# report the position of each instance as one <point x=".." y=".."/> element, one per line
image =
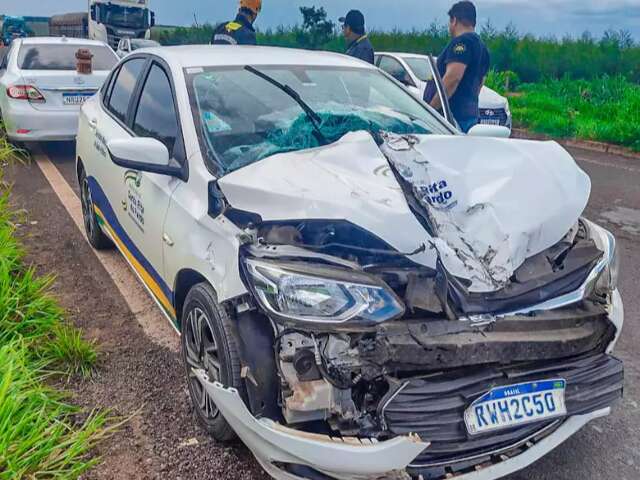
<point x="96" y="236"/>
<point x="209" y="344"/>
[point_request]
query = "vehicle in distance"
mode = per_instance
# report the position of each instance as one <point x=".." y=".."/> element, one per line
<point x="12" y="28"/>
<point x="358" y="295"/>
<point x="106" y="20"/>
<point x="41" y="90"/>
<point x="413" y="71"/>
<point x="128" y="45"/>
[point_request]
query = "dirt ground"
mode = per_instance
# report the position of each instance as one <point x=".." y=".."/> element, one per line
<point x="136" y="378"/>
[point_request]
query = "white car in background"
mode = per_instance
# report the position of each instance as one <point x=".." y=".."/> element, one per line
<point x="129" y="45"/>
<point x="362" y="292"/>
<point x="41" y="91"/>
<point x="413" y="71"/>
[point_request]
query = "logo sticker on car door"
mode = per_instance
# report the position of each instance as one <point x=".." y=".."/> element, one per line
<point x="133" y="203"/>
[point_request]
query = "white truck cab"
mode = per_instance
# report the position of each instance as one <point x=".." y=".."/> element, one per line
<point x="112" y="20"/>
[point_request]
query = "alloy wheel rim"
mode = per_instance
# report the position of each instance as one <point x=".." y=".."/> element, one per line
<point x="87" y="208"/>
<point x="202" y="354"/>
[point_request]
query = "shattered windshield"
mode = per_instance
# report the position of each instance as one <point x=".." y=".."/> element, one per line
<point x="242" y="118"/>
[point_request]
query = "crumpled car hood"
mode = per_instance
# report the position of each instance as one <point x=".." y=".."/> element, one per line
<point x="493" y="202"/>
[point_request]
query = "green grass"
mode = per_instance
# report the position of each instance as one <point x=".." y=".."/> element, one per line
<point x="41" y="434"/>
<point x="606" y="109"/>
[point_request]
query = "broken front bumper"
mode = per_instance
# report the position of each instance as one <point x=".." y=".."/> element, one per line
<point x="282" y="450"/>
<point x="274" y="444"/>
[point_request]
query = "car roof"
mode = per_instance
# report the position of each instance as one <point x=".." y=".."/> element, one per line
<point x="402" y="55"/>
<point x="187" y="56"/>
<point x="60" y="41"/>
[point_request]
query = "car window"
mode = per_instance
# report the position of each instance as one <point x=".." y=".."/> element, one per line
<point x="63" y="57"/>
<point x="420" y="67"/>
<point x="156" y="115"/>
<point x="123" y="87"/>
<point x="137" y="43"/>
<point x="395" y="69"/>
<point x="4" y="56"/>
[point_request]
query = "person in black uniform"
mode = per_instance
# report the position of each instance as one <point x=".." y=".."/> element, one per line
<point x="239" y="31"/>
<point x="358" y="43"/>
<point x="463" y="65"/>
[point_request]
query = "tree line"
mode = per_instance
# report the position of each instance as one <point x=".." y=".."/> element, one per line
<point x="530" y="58"/>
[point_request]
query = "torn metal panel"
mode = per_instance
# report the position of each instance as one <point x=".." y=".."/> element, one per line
<point x="488" y="214"/>
<point x="433" y="345"/>
<point x="349" y="180"/>
<point x="477" y="191"/>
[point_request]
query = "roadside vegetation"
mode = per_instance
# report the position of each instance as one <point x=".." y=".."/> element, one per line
<point x="42" y="436"/>
<point x="604" y="109"/>
<point x="583" y="87"/>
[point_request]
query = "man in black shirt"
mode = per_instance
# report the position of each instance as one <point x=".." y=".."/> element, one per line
<point x="358" y="43"/>
<point x="463" y="65"/>
<point x="239" y="31"/>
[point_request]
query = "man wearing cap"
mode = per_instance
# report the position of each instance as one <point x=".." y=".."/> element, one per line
<point x="358" y="43"/>
<point x="463" y="65"/>
<point x="239" y="31"/>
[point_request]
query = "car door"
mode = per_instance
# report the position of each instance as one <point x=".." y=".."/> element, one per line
<point x="438" y="89"/>
<point x="148" y="195"/>
<point x="132" y="203"/>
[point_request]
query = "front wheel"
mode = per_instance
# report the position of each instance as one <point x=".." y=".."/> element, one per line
<point x="209" y="344"/>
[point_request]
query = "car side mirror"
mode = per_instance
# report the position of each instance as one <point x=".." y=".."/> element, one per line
<point x="495" y="131"/>
<point x="143" y="154"/>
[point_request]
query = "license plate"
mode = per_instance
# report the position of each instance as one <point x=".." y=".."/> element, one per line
<point x="490" y="121"/>
<point x="515" y="405"/>
<point x="75" y="98"/>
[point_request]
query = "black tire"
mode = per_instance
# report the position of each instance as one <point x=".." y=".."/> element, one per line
<point x="215" y="350"/>
<point x="96" y="236"/>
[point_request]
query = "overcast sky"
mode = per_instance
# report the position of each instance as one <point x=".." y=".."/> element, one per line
<point x="541" y="17"/>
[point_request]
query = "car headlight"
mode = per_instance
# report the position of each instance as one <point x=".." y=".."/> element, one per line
<point x="610" y="266"/>
<point x="507" y="109"/>
<point x="322" y="295"/>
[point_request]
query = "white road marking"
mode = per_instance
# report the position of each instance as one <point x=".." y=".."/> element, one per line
<point x="144" y="309"/>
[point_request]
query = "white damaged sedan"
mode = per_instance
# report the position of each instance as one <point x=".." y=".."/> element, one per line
<point x="362" y="292"/>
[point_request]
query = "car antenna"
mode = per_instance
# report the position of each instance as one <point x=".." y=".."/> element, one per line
<point x="313" y="116"/>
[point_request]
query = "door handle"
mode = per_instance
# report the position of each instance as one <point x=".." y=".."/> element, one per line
<point x="93" y="123"/>
<point x="167" y="239"/>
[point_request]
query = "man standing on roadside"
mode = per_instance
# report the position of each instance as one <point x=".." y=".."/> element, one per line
<point x="358" y="43"/>
<point x="239" y="31"/>
<point x="463" y="65"/>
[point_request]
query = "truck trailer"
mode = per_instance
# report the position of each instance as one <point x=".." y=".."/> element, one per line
<point x="108" y="21"/>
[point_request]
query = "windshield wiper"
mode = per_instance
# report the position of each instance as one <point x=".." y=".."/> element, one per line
<point x="311" y="114"/>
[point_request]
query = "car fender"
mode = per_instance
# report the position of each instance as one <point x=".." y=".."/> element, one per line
<point x="200" y="243"/>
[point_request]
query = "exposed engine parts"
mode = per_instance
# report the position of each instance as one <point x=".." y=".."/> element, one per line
<point x="317" y="378"/>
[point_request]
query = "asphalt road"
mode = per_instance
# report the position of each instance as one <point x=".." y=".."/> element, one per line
<point x="141" y="374"/>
